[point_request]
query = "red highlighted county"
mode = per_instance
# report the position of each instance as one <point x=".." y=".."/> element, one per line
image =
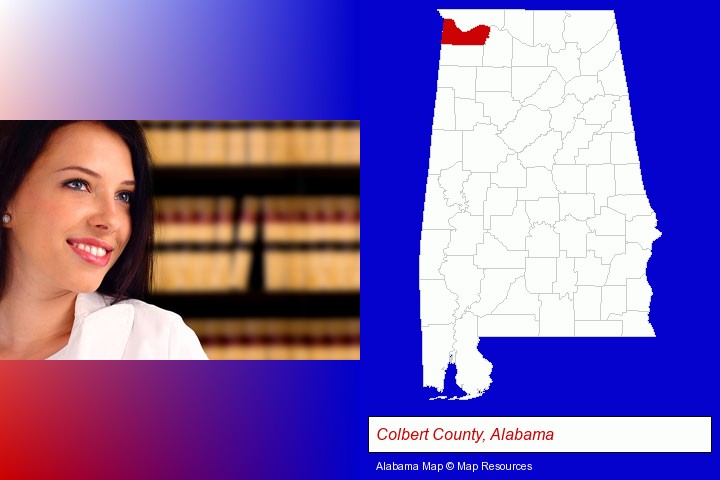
<point x="452" y="35"/>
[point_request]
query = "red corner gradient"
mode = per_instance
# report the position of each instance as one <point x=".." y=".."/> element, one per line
<point x="452" y="35"/>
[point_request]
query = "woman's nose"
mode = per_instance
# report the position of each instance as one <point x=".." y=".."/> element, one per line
<point x="106" y="214"/>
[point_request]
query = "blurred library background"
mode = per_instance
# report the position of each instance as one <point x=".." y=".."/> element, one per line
<point x="257" y="239"/>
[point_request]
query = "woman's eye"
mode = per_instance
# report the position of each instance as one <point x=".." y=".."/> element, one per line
<point x="80" y="185"/>
<point x="125" y="197"/>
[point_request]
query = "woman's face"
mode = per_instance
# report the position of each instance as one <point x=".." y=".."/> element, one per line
<point x="71" y="215"/>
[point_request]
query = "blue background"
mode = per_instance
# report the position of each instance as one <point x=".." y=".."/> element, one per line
<point x="376" y="61"/>
<point x="668" y="54"/>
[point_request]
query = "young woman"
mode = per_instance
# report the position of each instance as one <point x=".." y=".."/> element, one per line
<point x="75" y="246"/>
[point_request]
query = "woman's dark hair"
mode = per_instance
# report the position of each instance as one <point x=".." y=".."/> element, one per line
<point x="21" y="142"/>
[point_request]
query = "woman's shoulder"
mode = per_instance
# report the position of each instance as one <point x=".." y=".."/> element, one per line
<point x="152" y="313"/>
<point x="145" y="314"/>
<point x="156" y="329"/>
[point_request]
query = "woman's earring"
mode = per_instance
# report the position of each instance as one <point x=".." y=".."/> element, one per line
<point x="6" y="218"/>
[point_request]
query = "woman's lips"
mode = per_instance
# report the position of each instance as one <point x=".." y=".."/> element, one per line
<point x="91" y="253"/>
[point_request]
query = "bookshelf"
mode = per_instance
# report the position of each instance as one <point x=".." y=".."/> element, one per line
<point x="280" y="193"/>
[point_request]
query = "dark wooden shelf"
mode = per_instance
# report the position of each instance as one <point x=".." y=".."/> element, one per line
<point x="250" y="180"/>
<point x="258" y="304"/>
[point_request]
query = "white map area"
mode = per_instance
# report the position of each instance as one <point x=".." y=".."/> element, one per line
<point x="536" y="221"/>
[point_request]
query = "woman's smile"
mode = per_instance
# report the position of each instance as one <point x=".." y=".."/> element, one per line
<point x="92" y="250"/>
<point x="70" y="202"/>
<point x="79" y="192"/>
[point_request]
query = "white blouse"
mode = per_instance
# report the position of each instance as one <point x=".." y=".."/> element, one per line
<point x="128" y="330"/>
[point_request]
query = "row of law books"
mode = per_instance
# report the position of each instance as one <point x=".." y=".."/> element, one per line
<point x="279" y="339"/>
<point x="282" y="219"/>
<point x="207" y="244"/>
<point x="253" y="143"/>
<point x="197" y="271"/>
